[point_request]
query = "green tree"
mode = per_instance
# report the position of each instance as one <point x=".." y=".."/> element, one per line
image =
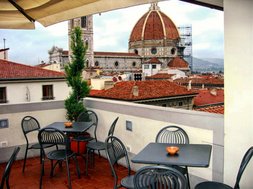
<point x="80" y="88"/>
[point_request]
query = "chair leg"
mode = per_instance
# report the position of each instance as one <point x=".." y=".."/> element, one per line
<point x="42" y="173"/>
<point x="25" y="159"/>
<point x="68" y="173"/>
<point x="52" y="168"/>
<point x="188" y="179"/>
<point x="7" y="182"/>
<point x="77" y="167"/>
<point x="86" y="162"/>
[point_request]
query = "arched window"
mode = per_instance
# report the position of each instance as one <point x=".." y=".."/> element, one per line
<point x="173" y="51"/>
<point x="96" y="63"/>
<point x="136" y="51"/>
<point x="116" y="64"/>
<point x="83" y="22"/>
<point x="134" y="64"/>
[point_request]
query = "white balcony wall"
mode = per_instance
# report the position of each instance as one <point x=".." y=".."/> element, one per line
<point x="146" y="121"/>
<point x="203" y="128"/>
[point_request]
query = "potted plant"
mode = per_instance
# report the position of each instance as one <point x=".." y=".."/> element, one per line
<point x="80" y="88"/>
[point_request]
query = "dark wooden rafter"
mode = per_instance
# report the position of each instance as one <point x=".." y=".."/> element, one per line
<point x="21" y="10"/>
<point x="204" y="4"/>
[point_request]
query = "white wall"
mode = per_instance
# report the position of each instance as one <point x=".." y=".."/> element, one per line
<point x="17" y="92"/>
<point x="238" y="59"/>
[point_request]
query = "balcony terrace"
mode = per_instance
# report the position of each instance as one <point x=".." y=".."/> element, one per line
<point x="147" y="120"/>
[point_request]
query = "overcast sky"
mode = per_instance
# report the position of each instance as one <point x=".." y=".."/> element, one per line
<point x="112" y="31"/>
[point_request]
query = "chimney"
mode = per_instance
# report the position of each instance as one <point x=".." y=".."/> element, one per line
<point x="189" y="85"/>
<point x="213" y="92"/>
<point x="135" y="90"/>
<point x="108" y="85"/>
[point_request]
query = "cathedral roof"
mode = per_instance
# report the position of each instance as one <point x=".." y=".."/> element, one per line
<point x="178" y="62"/>
<point x="154" y="25"/>
<point x="153" y="60"/>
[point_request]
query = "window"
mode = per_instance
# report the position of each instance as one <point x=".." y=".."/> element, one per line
<point x="136" y="51"/>
<point x="153" y="50"/>
<point x="3" y="95"/>
<point x="96" y="63"/>
<point x="146" y="66"/>
<point x="116" y="64"/>
<point x="47" y="92"/>
<point x="154" y="66"/>
<point x="180" y="103"/>
<point x="134" y="64"/>
<point x="173" y="51"/>
<point x="83" y="22"/>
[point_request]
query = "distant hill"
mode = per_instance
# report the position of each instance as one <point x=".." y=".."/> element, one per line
<point x="208" y="65"/>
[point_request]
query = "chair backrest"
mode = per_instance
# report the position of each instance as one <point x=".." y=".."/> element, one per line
<point x="115" y="150"/>
<point x="52" y="136"/>
<point x="246" y="158"/>
<point x="112" y="128"/>
<point x="172" y="134"/>
<point x="159" y="177"/>
<point x="89" y="115"/>
<point x="29" y="124"/>
<point x="6" y="174"/>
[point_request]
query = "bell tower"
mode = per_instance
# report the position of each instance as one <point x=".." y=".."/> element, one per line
<point x="86" y="25"/>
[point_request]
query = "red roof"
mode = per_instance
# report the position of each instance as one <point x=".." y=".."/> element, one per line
<point x="178" y="62"/>
<point x="123" y="54"/>
<point x="212" y="109"/>
<point x="154" y="25"/>
<point x="160" y="76"/>
<point x="207" y="97"/>
<point x="201" y="80"/>
<point x="146" y="89"/>
<point x="12" y="70"/>
<point x="153" y="60"/>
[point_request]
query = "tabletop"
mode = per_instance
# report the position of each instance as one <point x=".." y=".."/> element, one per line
<point x="77" y="127"/>
<point x="192" y="155"/>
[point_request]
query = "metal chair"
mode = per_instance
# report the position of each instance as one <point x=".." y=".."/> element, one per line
<point x="96" y="145"/>
<point x="115" y="151"/>
<point x="29" y="124"/>
<point x="176" y="135"/>
<point x="217" y="185"/>
<point x="7" y="171"/>
<point x="85" y="116"/>
<point x="54" y="136"/>
<point x="159" y="177"/>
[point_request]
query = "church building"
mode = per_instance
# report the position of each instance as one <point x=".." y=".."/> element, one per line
<point x="154" y="45"/>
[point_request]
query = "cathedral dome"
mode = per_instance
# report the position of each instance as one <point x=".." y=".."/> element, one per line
<point x="154" y="25"/>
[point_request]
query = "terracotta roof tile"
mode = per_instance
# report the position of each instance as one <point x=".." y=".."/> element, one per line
<point x="153" y="60"/>
<point x="147" y="90"/>
<point x="206" y="97"/>
<point x="212" y="109"/>
<point x="160" y="76"/>
<point x="178" y="62"/>
<point x="12" y="70"/>
<point x="156" y="26"/>
<point x="201" y="80"/>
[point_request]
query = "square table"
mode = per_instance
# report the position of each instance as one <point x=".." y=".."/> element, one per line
<point x="77" y="127"/>
<point x="190" y="155"/>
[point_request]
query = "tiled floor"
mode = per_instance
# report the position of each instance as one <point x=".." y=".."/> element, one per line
<point x="99" y="177"/>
